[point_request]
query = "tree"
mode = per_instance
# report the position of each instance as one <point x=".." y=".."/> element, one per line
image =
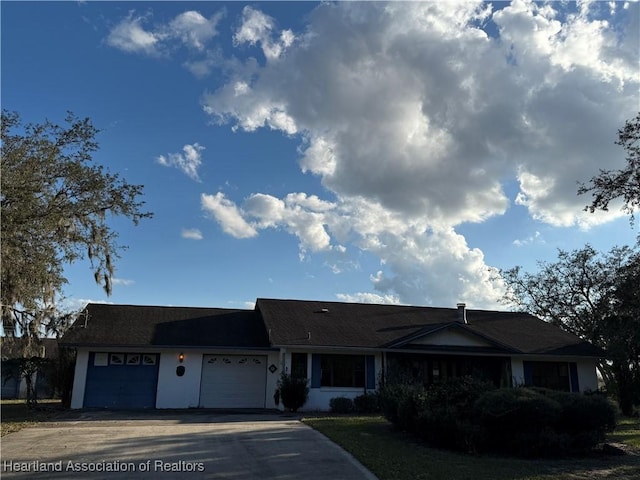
<point x="27" y="368"/>
<point x="612" y="184"/>
<point x="619" y="333"/>
<point x="56" y="203"/>
<point x="595" y="297"/>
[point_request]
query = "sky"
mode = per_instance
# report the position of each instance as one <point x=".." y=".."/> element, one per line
<point x="364" y="152"/>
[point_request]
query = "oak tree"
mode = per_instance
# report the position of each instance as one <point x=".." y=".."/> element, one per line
<point x="594" y="296"/>
<point x="609" y="185"/>
<point x="56" y="205"/>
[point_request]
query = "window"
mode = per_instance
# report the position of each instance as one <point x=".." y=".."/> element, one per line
<point x="101" y="359"/>
<point x="116" y="359"/>
<point x="553" y="375"/>
<point x="342" y="371"/>
<point x="133" y="359"/>
<point x="299" y="365"/>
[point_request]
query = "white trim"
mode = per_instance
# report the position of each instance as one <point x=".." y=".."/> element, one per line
<point x="80" y="379"/>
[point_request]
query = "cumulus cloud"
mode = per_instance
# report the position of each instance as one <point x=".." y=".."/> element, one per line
<point x="193" y="29"/>
<point x="227" y="214"/>
<point x="257" y="28"/>
<point x="189" y="29"/>
<point x="188" y="161"/>
<point x="299" y="214"/>
<point x="367" y="297"/>
<point x="192" y="234"/>
<point x="130" y="36"/>
<point x="415" y="115"/>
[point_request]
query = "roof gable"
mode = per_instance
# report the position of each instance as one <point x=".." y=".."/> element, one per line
<point x="451" y="335"/>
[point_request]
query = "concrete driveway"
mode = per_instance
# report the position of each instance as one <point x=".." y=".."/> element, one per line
<point x="180" y="445"/>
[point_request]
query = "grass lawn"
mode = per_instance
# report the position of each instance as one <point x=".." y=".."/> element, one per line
<point x="628" y="432"/>
<point x="395" y="455"/>
<point x="15" y="415"/>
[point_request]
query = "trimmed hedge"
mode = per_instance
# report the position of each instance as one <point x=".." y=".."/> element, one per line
<point x="367" y="403"/>
<point x="470" y="415"/>
<point x="341" y="405"/>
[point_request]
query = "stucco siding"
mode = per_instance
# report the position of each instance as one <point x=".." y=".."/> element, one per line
<point x="80" y="378"/>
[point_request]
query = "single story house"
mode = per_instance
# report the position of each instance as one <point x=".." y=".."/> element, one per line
<point x="182" y="357"/>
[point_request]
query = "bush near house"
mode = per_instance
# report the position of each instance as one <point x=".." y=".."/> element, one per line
<point x="293" y="391"/>
<point x="367" y="403"/>
<point x="470" y="415"/>
<point x="341" y="405"/>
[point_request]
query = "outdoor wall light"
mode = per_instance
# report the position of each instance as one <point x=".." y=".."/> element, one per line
<point x="181" y="357"/>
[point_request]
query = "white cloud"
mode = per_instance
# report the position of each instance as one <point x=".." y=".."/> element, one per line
<point x="193" y="29"/>
<point x="535" y="238"/>
<point x="130" y="36"/>
<point x="414" y="118"/>
<point x="191" y="234"/>
<point x="188" y="161"/>
<point x="367" y="297"/>
<point x="227" y="214"/>
<point x="298" y="213"/>
<point x="257" y="28"/>
<point x="123" y="281"/>
<point x="189" y="29"/>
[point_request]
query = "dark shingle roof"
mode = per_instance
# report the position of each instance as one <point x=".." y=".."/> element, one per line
<point x="318" y="323"/>
<point x="129" y="325"/>
<point x="277" y="323"/>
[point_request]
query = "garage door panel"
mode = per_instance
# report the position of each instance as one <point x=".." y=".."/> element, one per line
<point x="129" y="384"/>
<point x="233" y="381"/>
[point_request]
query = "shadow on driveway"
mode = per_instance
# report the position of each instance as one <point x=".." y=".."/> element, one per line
<point x="175" y="444"/>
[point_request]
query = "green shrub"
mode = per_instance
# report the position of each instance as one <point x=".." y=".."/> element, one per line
<point x="294" y="392"/>
<point x="471" y="415"/>
<point x="586" y="419"/>
<point x="392" y="396"/>
<point x="446" y="416"/>
<point x="535" y="422"/>
<point x="341" y="405"/>
<point x="367" y="403"/>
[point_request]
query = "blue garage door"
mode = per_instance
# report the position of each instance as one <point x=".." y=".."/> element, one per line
<point x="121" y="380"/>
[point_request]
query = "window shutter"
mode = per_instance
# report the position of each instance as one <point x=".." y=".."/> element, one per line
<point x="370" y="366"/>
<point x="573" y="375"/>
<point x="316" y="370"/>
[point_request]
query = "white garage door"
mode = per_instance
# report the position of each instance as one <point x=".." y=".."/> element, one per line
<point x="233" y="381"/>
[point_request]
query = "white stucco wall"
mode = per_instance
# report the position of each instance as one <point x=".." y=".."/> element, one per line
<point x="174" y="391"/>
<point x="79" y="378"/>
<point x="587" y="376"/>
<point x="517" y="372"/>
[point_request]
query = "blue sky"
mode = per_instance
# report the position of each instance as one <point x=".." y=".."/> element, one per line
<point x="350" y="151"/>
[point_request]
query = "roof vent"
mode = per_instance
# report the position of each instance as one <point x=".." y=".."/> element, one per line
<point x="323" y="310"/>
<point x="462" y="312"/>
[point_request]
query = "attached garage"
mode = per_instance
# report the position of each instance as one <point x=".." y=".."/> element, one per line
<point x="121" y="380"/>
<point x="233" y="381"/>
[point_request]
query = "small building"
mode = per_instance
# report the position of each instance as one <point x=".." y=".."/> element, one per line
<point x="183" y="357"/>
